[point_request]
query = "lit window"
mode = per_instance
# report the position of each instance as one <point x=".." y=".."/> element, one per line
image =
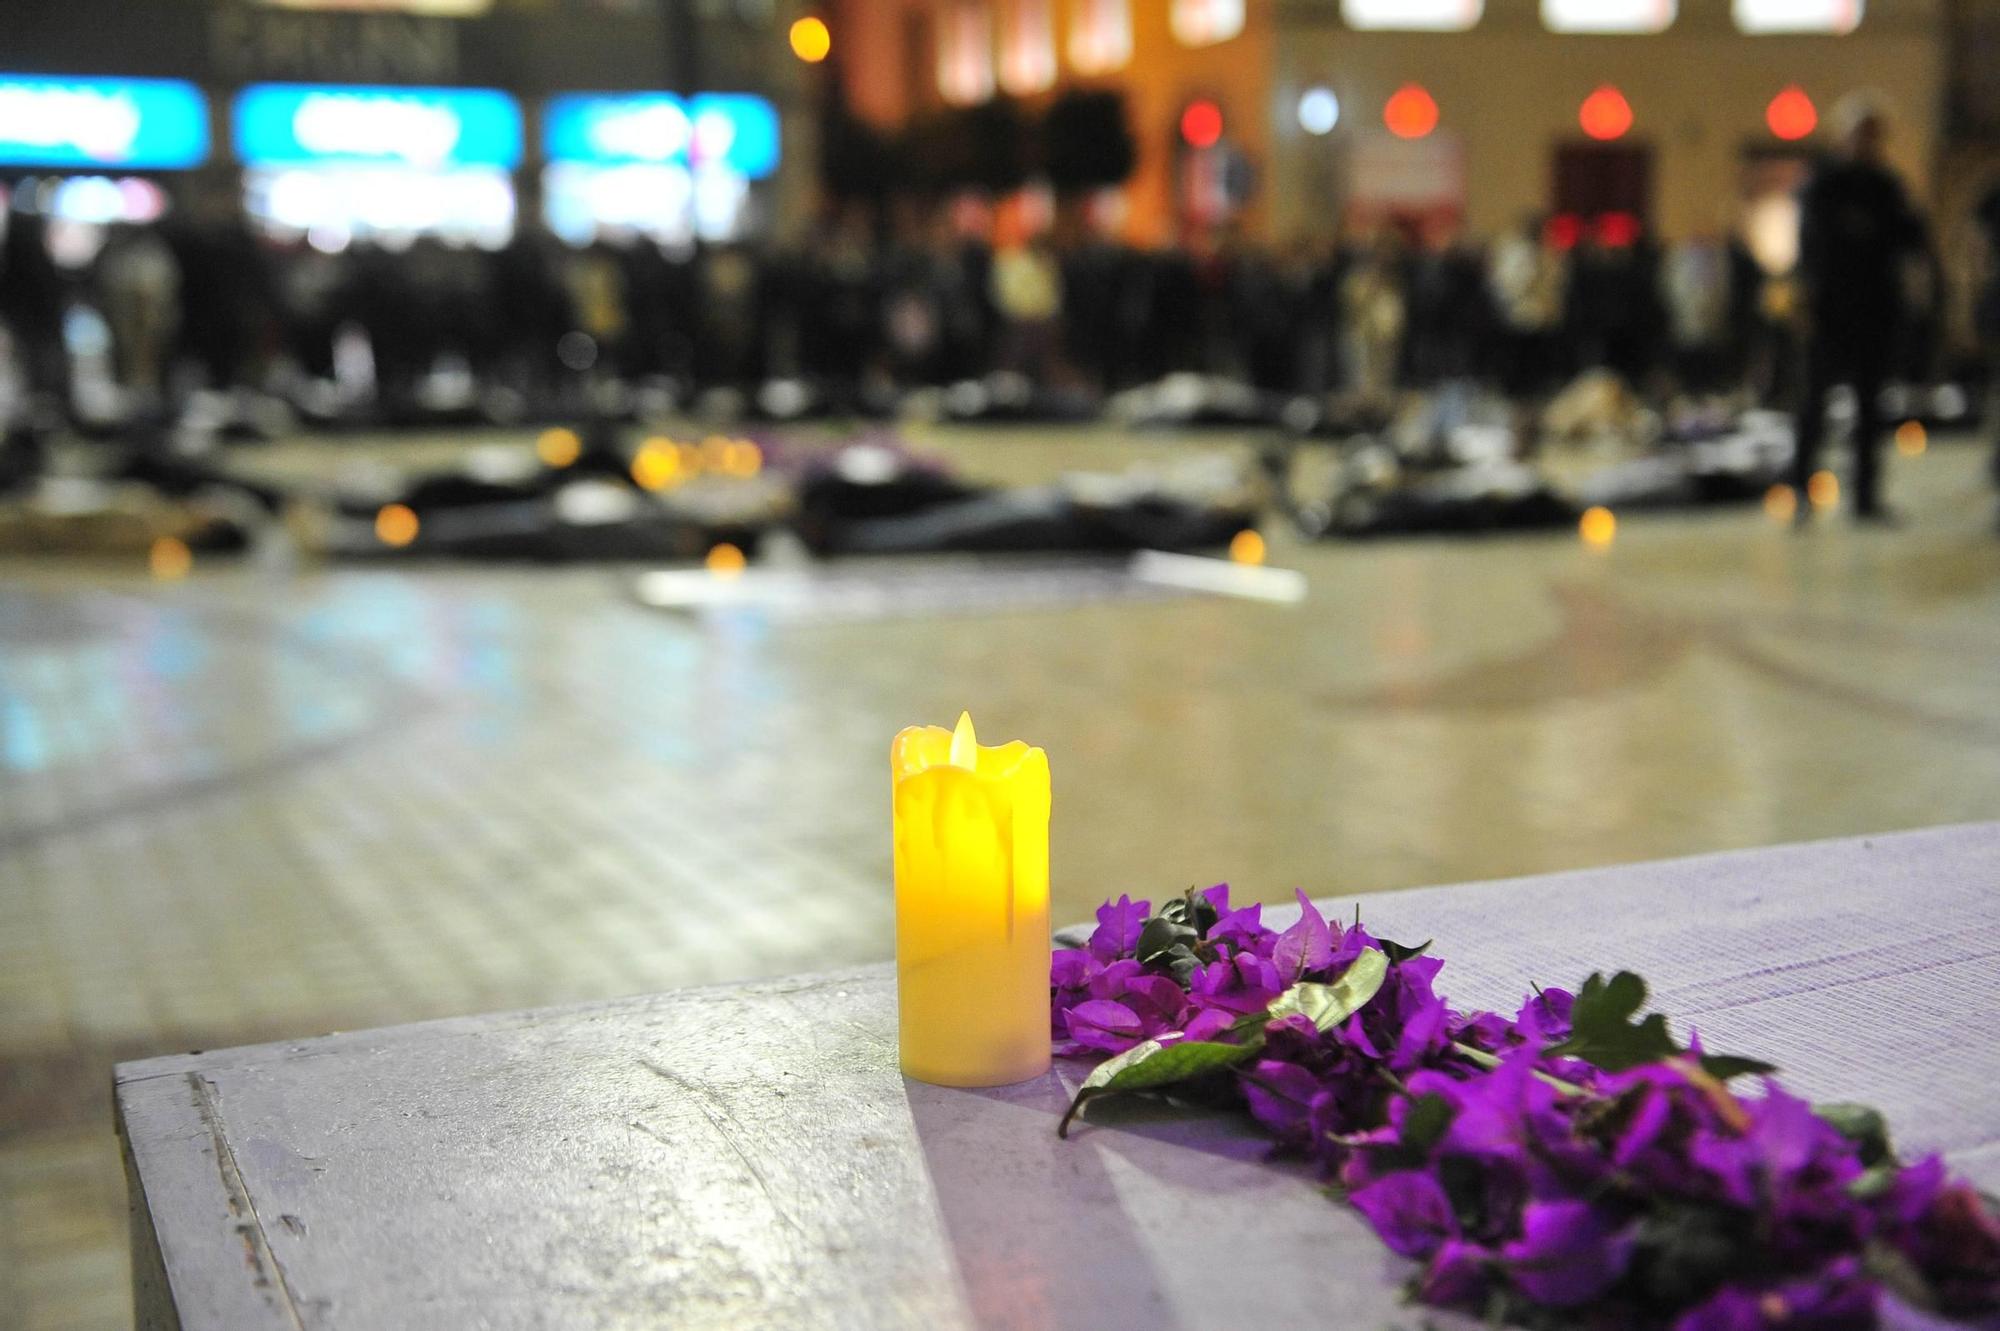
<point x="1028" y="55"/>
<point x="1100" y="35"/>
<point x="965" y="53"/>
<point x="1834" y="16"/>
<point x="1608" y="15"/>
<point x="1413" y="15"/>
<point x="1206" y="22"/>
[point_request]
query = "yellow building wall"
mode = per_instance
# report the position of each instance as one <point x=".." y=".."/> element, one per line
<point x="1510" y="89"/>
<point x="1163" y="78"/>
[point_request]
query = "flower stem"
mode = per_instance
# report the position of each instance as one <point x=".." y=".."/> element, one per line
<point x="1489" y="1061"/>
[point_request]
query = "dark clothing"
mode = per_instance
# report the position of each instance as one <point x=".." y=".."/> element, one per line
<point x="1862" y="368"/>
<point x="1856" y="228"/>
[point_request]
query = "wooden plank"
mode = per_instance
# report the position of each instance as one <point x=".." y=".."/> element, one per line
<point x="749" y="1156"/>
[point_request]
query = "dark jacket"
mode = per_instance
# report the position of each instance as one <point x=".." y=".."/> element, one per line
<point x="1856" y="227"/>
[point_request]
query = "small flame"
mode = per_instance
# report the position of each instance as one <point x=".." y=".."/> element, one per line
<point x="964" y="744"/>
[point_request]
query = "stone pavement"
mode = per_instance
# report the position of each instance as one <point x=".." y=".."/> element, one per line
<point x="263" y="803"/>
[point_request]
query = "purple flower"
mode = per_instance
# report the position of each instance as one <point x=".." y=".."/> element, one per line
<point x="1103" y="1024"/>
<point x="1281" y="1097"/>
<point x="1118" y="926"/>
<point x="1306" y="946"/>
<point x="1157" y="1000"/>
<point x="1459" y="1273"/>
<point x="1568" y="1253"/>
<point x="1110" y="982"/>
<point x="1071" y="968"/>
<point x="1544" y="1017"/>
<point x="1243" y="928"/>
<point x="1210" y="1023"/>
<point x="1837" y="1297"/>
<point x="1789" y="1155"/>
<point x="1409" y="1211"/>
<point x="1242" y="983"/>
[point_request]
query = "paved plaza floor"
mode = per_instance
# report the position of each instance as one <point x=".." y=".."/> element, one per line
<point x="269" y="800"/>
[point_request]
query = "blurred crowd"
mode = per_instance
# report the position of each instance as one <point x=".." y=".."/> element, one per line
<point x="858" y="320"/>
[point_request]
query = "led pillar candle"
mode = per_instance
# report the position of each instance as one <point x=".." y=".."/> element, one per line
<point x="972" y="906"/>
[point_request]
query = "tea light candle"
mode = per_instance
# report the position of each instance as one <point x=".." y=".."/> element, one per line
<point x="972" y="906"/>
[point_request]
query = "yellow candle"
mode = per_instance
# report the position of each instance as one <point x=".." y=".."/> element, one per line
<point x="972" y="906"/>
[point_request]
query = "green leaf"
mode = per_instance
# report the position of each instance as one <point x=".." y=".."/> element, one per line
<point x="1159" y="936"/>
<point x="1724" y="1066"/>
<point x="1863" y="1126"/>
<point x="1400" y="952"/>
<point x="1152" y="1066"/>
<point x="1903" y="1277"/>
<point x="1426" y="1122"/>
<point x="1874" y="1182"/>
<point x="1330" y="1004"/>
<point x="1605" y="1030"/>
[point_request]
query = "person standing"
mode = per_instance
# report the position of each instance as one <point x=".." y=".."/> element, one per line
<point x="1856" y="228"/>
<point x="1987" y="318"/>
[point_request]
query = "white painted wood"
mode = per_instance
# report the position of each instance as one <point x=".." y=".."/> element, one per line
<point x="749" y="1156"/>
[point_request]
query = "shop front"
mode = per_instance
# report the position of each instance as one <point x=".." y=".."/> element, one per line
<point x="658" y="165"/>
<point x="337" y="163"/>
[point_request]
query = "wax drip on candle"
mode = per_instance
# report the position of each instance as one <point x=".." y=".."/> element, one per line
<point x="965" y="744"/>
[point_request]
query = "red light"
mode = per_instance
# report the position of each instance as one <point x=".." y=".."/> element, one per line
<point x="1605" y="114"/>
<point x="1617" y="230"/>
<point x="1201" y="124"/>
<point x="1563" y="231"/>
<point x="1410" y="112"/>
<point x="1791" y="114"/>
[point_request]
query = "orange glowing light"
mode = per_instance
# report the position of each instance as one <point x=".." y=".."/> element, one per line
<point x="558" y="447"/>
<point x="656" y="465"/>
<point x="691" y="459"/>
<point x="1605" y="114"/>
<point x="1598" y="526"/>
<point x="743" y="458"/>
<point x="169" y="559"/>
<point x="1781" y="503"/>
<point x="1823" y="489"/>
<point x="1411" y="112"/>
<point x="396" y="525"/>
<point x="1247" y="547"/>
<point x="811" y="42"/>
<point x="1201" y="124"/>
<point x="715" y="453"/>
<point x="725" y="561"/>
<point x="1791" y="114"/>
<point x="1912" y="439"/>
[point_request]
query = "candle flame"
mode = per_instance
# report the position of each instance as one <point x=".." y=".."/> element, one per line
<point x="964" y="744"/>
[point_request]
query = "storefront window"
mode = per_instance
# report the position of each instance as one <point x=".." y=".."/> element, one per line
<point x="1206" y="22"/>
<point x="965" y="53"/>
<point x="1100" y="35"/>
<point x="1834" y="16"/>
<point x="1028" y="56"/>
<point x="1412" y="15"/>
<point x="1608" y="15"/>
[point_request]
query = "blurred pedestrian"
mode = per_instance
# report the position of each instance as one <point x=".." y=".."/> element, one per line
<point x="31" y="307"/>
<point x="139" y="289"/>
<point x="1528" y="278"/>
<point x="1856" y="229"/>
<point x="1987" y="317"/>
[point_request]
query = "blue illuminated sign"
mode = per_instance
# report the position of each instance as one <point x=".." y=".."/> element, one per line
<point x="279" y="123"/>
<point x="735" y="131"/>
<point x="136" y="124"/>
<point x="616" y="128"/>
